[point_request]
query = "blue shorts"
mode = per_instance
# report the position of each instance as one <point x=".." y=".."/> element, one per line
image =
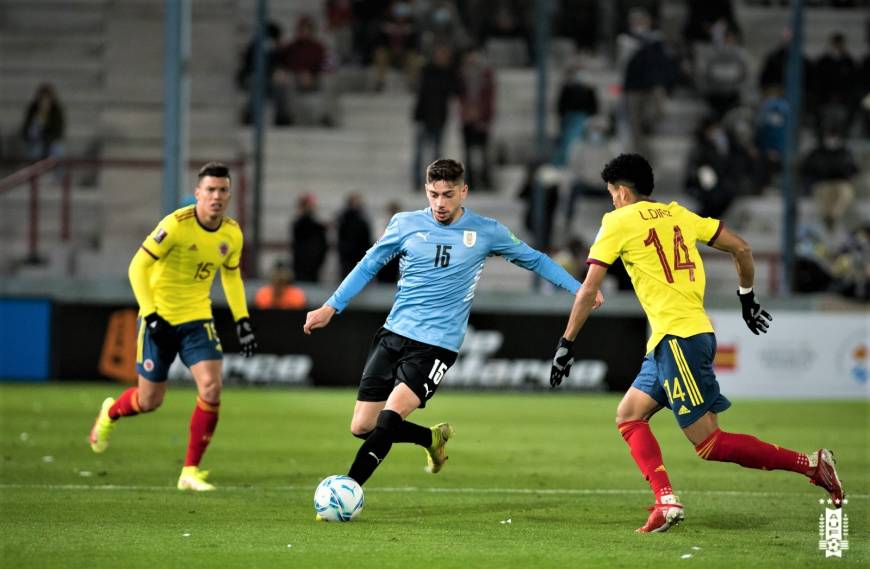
<point x="678" y="374"/>
<point x="197" y="341"/>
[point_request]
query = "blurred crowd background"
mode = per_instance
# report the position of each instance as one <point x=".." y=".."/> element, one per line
<point x="362" y="94"/>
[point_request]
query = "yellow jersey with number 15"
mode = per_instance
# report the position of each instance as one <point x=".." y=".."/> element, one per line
<point x="656" y="243"/>
<point x="188" y="256"/>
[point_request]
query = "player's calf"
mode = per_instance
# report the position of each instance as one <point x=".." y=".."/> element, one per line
<point x="376" y="447"/>
<point x="750" y="452"/>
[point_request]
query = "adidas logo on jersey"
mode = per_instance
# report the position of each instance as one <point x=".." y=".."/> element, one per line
<point x="684" y="411"/>
<point x="193" y="248"/>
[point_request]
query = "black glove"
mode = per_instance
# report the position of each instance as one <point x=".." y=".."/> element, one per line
<point x="562" y="362"/>
<point x="248" y="343"/>
<point x="753" y="315"/>
<point x="162" y="332"/>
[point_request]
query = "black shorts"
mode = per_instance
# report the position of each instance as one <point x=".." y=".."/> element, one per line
<point x="394" y="358"/>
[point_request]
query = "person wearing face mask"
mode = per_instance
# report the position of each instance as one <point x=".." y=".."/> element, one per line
<point x="438" y="85"/>
<point x="715" y="175"/>
<point x="477" y="109"/>
<point x="577" y="102"/>
<point x="441" y="24"/>
<point x="828" y="170"/>
<point x="649" y="70"/>
<point x="835" y="85"/>
<point x="397" y="44"/>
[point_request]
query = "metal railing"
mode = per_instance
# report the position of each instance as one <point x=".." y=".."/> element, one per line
<point x="32" y="174"/>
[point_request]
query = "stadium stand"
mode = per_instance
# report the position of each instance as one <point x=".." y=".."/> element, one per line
<point x="115" y="112"/>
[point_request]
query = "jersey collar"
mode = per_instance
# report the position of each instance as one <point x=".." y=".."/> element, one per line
<point x="209" y="229"/>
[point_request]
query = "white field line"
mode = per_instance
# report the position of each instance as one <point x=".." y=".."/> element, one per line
<point x="430" y="490"/>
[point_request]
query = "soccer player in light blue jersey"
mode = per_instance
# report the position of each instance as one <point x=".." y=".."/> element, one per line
<point x="442" y="250"/>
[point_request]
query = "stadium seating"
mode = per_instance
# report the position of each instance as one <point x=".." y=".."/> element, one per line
<point x="110" y="81"/>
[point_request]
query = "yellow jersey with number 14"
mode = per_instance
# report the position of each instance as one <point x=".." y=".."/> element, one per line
<point x="656" y="243"/>
<point x="188" y="256"/>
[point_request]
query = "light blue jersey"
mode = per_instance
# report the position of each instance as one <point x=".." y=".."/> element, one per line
<point x="440" y="266"/>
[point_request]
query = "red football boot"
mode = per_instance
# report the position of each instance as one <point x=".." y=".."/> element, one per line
<point x="825" y="475"/>
<point x="666" y="512"/>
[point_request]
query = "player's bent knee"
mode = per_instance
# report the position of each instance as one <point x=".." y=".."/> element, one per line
<point x="360" y="433"/>
<point x="361" y="428"/>
<point x="624" y="415"/>
<point x="210" y="390"/>
<point x="147" y="405"/>
<point x="389" y="420"/>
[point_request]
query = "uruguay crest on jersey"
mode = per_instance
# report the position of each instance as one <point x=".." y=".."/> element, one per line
<point x="469" y="238"/>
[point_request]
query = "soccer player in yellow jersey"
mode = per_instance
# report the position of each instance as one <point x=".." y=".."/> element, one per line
<point x="171" y="275"/>
<point x="656" y="242"/>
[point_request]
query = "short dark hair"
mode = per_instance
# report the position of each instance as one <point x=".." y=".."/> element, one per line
<point x="630" y="170"/>
<point x="446" y="169"/>
<point x="215" y="169"/>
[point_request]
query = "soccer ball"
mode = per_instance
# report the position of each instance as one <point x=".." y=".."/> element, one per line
<point x="338" y="499"/>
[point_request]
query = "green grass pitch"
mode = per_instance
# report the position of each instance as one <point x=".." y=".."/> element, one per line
<point x="551" y="463"/>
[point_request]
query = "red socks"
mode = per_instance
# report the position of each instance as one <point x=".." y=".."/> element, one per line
<point x="202" y="426"/>
<point x="750" y="452"/>
<point x="647" y="454"/>
<point x="126" y="405"/>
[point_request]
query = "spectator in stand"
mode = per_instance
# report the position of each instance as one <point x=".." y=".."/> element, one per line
<point x="307" y="241"/>
<point x="389" y="274"/>
<point x="276" y="84"/>
<point x="851" y="265"/>
<point x="367" y="18"/>
<point x="577" y="20"/>
<point x="305" y="60"/>
<point x="770" y="130"/>
<point x="546" y="179"/>
<point x="354" y="234"/>
<point x="441" y="24"/>
<point x="723" y="70"/>
<point x="773" y="68"/>
<point x="578" y="101"/>
<point x="703" y="15"/>
<point x="649" y="71"/>
<point x="836" y="86"/>
<point x="828" y="170"/>
<point x="624" y="8"/>
<point x="280" y="293"/>
<point x="864" y="82"/>
<point x="397" y="44"/>
<point x="477" y="110"/>
<point x="44" y="124"/>
<point x="339" y="24"/>
<point x="508" y="19"/>
<point x="718" y="171"/>
<point x="573" y="258"/>
<point x="438" y="84"/>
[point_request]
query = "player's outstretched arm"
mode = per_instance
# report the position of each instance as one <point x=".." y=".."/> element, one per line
<point x="587" y="299"/>
<point x="318" y="318"/>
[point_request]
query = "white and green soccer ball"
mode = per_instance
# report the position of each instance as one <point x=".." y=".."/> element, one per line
<point x="338" y="499"/>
